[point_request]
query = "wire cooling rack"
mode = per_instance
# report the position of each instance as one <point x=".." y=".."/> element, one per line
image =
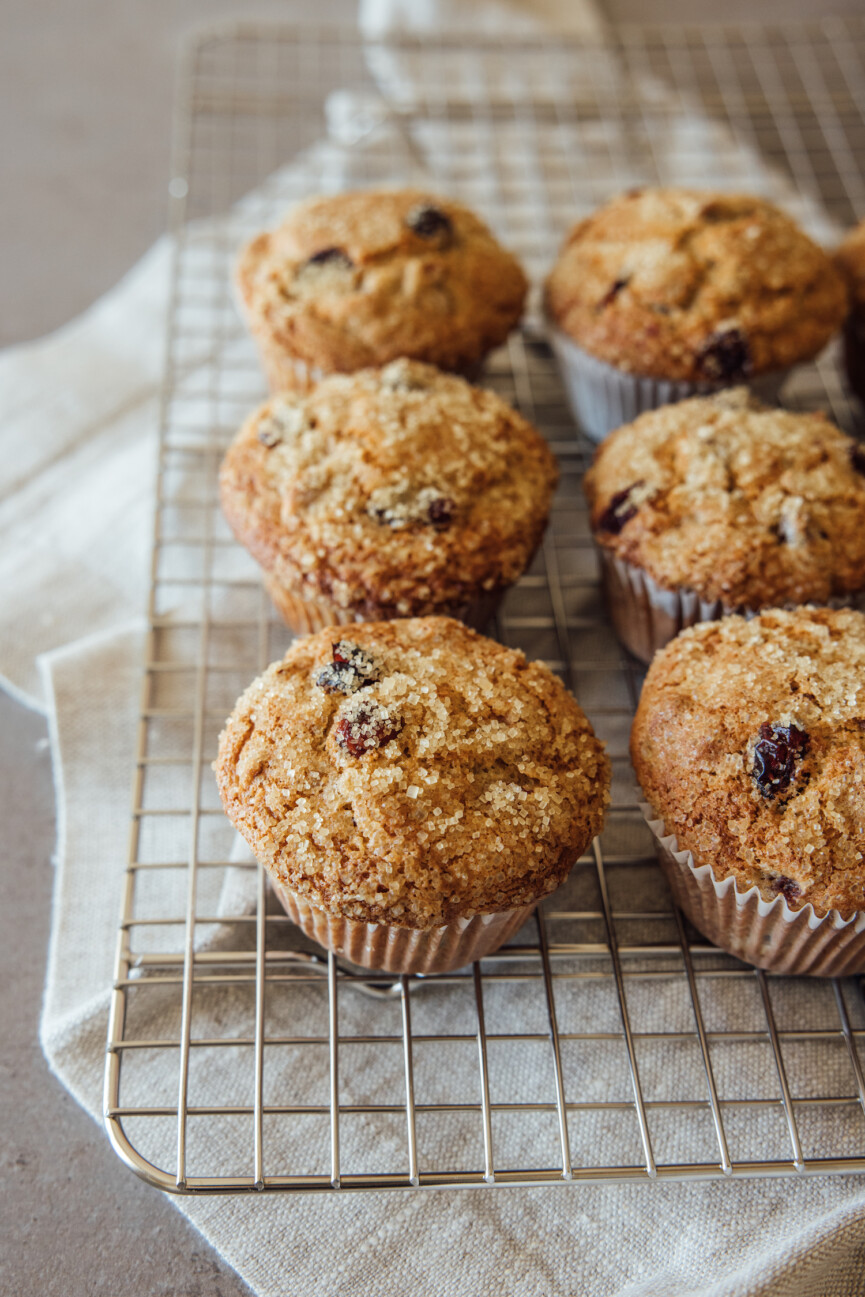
<point x="608" y="1040"/>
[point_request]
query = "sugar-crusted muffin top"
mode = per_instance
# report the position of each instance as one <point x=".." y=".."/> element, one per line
<point x="738" y="502"/>
<point x="412" y="772"/>
<point x="402" y="489"/>
<point x="357" y="279"/>
<point x="749" y="743"/>
<point x="850" y="260"/>
<point x="695" y="286"/>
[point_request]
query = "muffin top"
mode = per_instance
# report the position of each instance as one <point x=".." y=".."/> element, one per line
<point x="358" y="279"/>
<point x="850" y="260"/>
<point x="693" y="286"/>
<point x="738" y="502"/>
<point x="749" y="743"/>
<point x="412" y="774"/>
<point x="398" y="491"/>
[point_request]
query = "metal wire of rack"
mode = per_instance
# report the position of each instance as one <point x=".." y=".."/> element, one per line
<point x="608" y="1040"/>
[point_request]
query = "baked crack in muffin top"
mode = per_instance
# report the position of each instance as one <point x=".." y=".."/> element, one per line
<point x="749" y="743"/>
<point x="412" y="772"/>
<point x="357" y="279"/>
<point x="695" y="286"/>
<point x="397" y="491"/>
<point x="736" y="501"/>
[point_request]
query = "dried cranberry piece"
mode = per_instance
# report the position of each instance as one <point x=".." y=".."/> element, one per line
<point x="269" y="435"/>
<point x="398" y="508"/>
<point x="429" y="222"/>
<point x="619" y="511"/>
<point x="613" y="292"/>
<point x="857" y="459"/>
<point x="330" y="256"/>
<point x="775" y="755"/>
<point x="350" y="670"/>
<point x="366" y="726"/>
<point x="725" y="356"/>
<point x="791" y="891"/>
<point x="440" y="512"/>
<point x="331" y="680"/>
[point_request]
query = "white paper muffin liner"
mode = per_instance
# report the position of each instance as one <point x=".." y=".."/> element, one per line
<point x="646" y="616"/>
<point x="768" y="934"/>
<point x="404" y="950"/>
<point x="305" y="616"/>
<point x="602" y="397"/>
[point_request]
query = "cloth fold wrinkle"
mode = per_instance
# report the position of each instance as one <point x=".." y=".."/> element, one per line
<point x="85" y="401"/>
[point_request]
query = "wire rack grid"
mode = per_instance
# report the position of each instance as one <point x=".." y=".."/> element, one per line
<point x="608" y="1040"/>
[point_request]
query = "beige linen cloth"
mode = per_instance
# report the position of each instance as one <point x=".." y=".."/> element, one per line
<point x="77" y="434"/>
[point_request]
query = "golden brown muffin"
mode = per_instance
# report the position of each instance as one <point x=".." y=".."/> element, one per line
<point x="688" y="285"/>
<point x="388" y="493"/>
<point x="737" y="502"/>
<point x="850" y="260"/>
<point x="413" y="775"/>
<point x="358" y="279"/>
<point x="749" y="744"/>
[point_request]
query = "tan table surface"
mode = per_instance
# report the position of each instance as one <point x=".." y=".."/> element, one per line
<point x="85" y="103"/>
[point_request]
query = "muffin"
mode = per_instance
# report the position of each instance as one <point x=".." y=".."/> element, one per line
<point x="721" y="504"/>
<point x="667" y="293"/>
<point x="749" y="745"/>
<point x="398" y="492"/>
<point x="358" y="279"/>
<point x="413" y="791"/>
<point x="850" y="260"/>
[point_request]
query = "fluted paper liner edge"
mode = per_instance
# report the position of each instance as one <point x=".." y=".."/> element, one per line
<point x="404" y="950"/>
<point x="305" y="616"/>
<point x="602" y="397"/>
<point x="768" y="934"/>
<point x="646" y="616"/>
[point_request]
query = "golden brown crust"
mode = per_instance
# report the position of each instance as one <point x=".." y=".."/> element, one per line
<point x="694" y="746"/>
<point x="695" y="286"/>
<point x="446" y="296"/>
<point x="481" y="785"/>
<point x="394" y="492"/>
<point x="740" y="503"/>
